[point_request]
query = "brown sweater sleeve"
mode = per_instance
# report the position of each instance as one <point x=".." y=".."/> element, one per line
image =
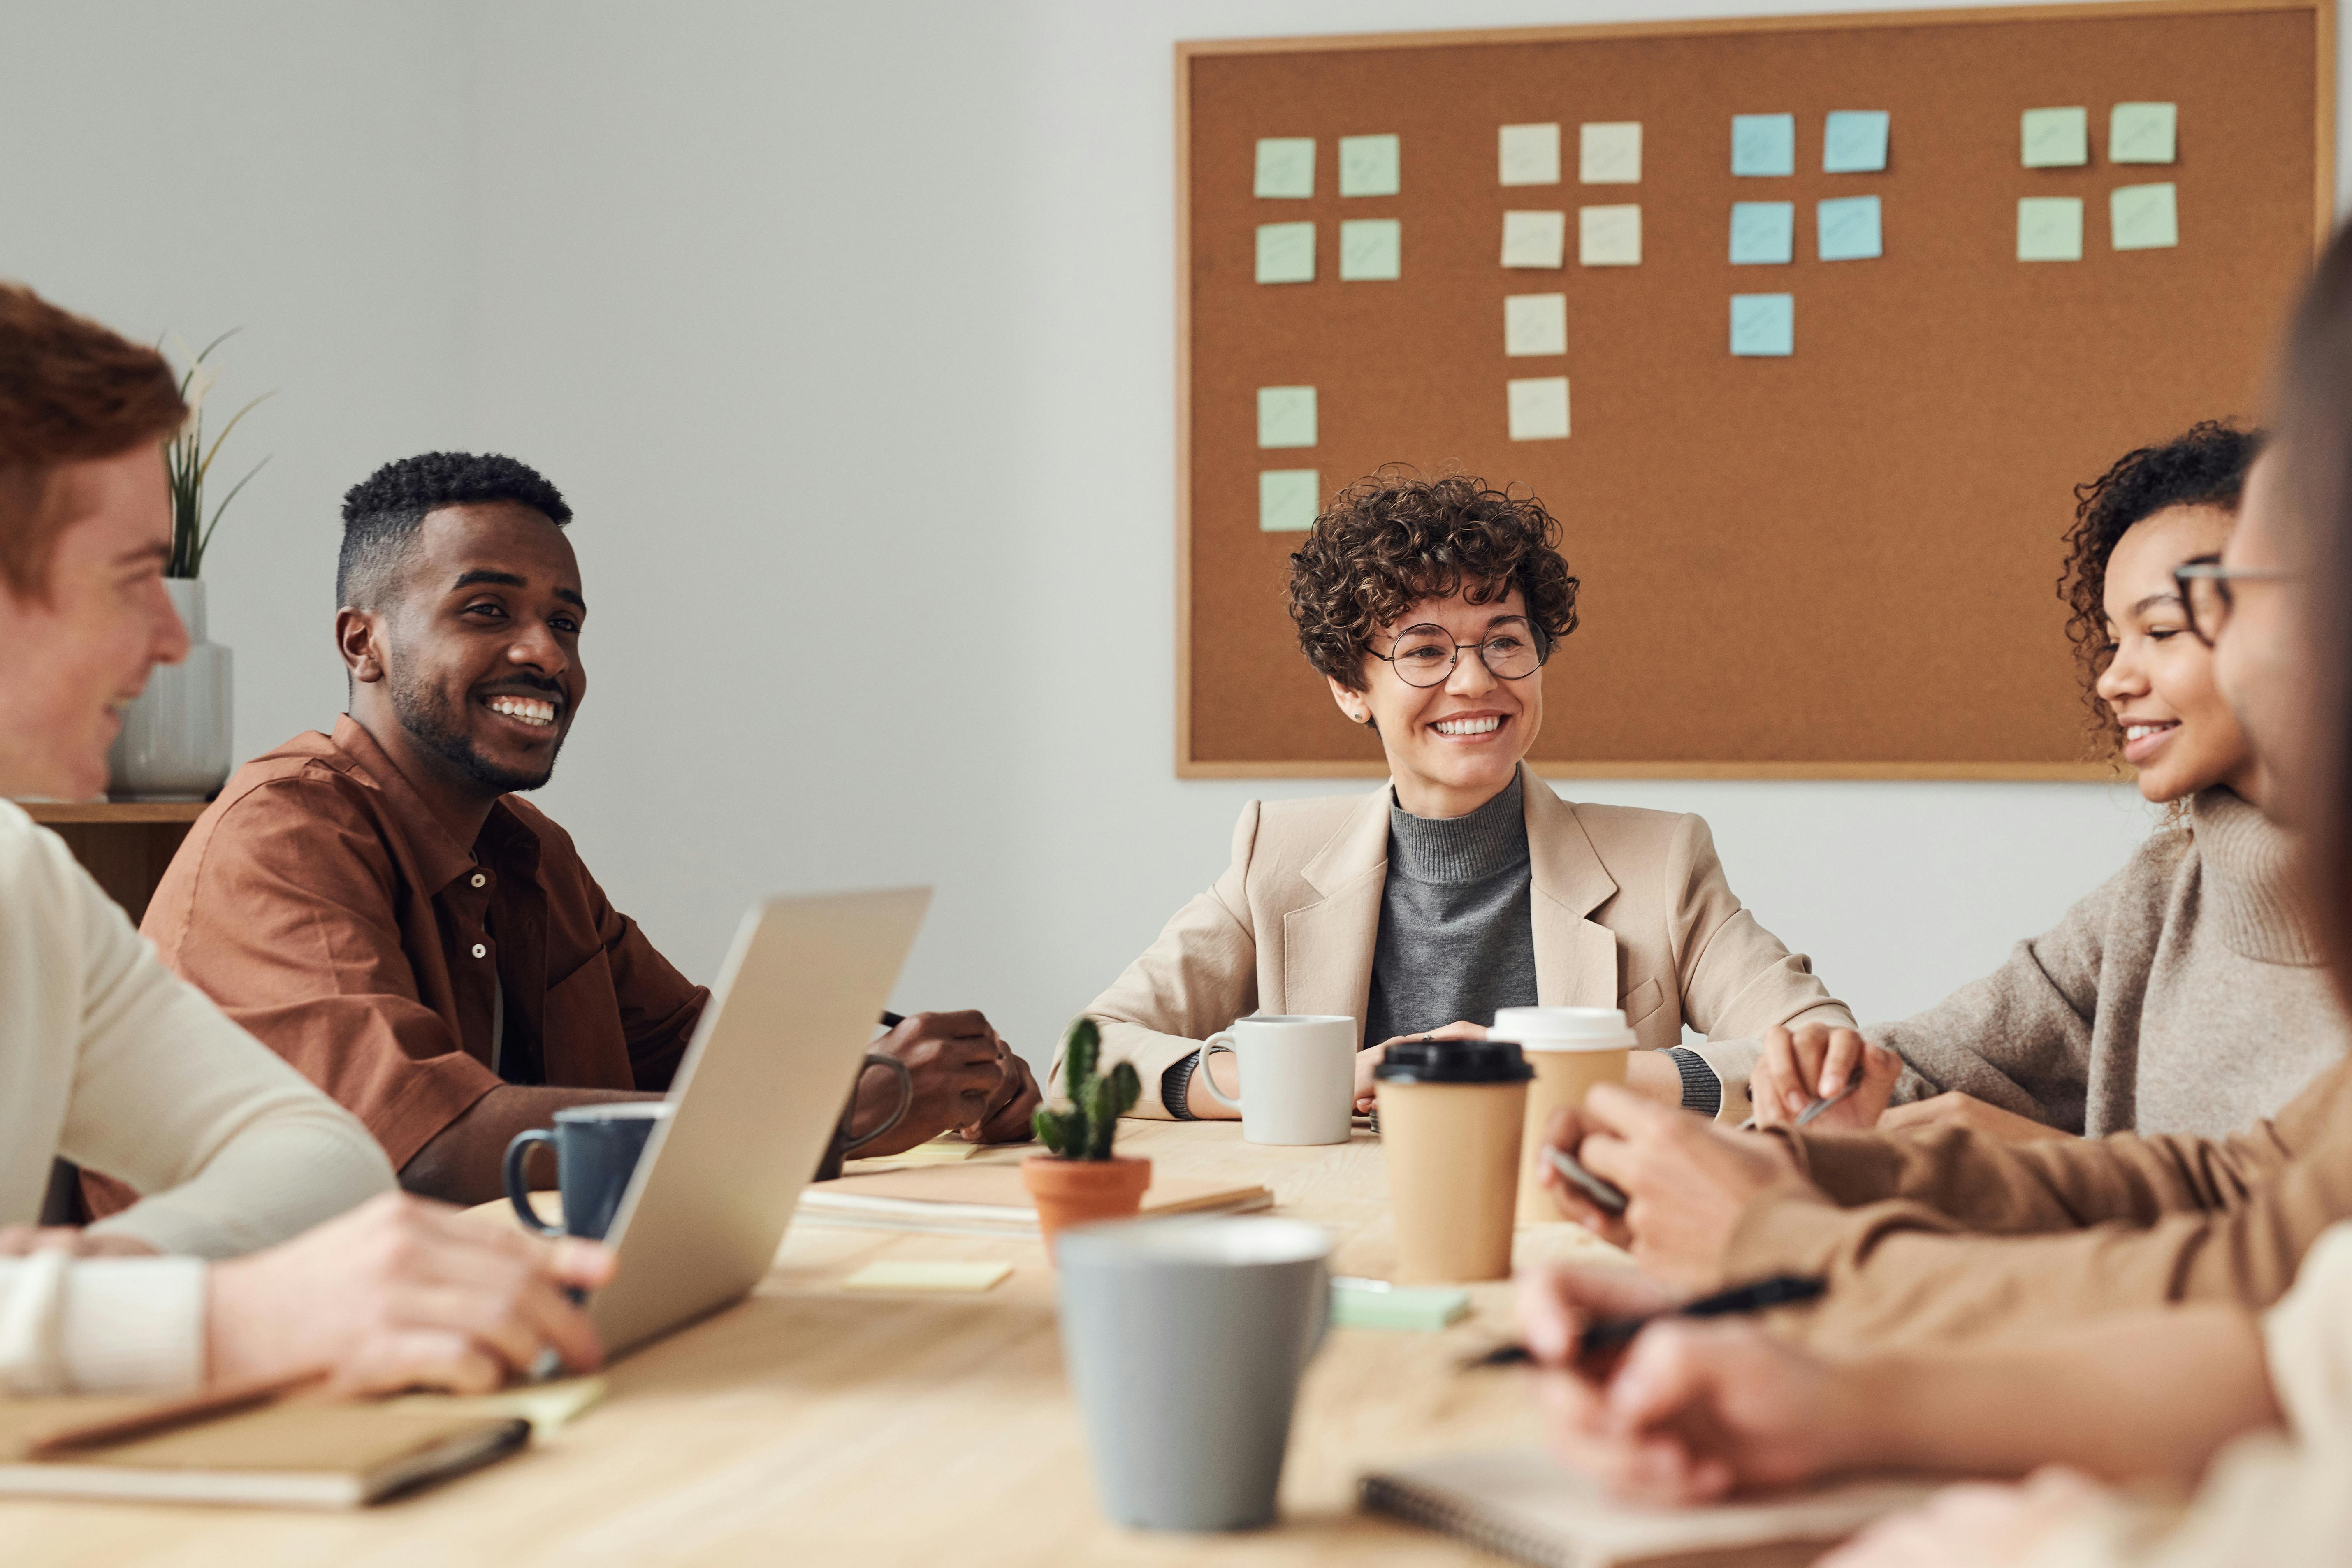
<point x="1951" y="1234"/>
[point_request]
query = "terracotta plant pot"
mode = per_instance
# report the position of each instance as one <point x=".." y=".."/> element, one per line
<point x="1079" y="1192"/>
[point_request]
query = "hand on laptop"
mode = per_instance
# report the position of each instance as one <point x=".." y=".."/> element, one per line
<point x="1689" y="1181"/>
<point x="401" y="1294"/>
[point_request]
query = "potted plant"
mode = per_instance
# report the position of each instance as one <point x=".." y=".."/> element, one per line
<point x="176" y="742"/>
<point x="1081" y="1180"/>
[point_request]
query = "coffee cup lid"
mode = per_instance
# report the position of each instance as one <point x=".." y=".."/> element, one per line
<point x="1454" y="1061"/>
<point x="1565" y="1028"/>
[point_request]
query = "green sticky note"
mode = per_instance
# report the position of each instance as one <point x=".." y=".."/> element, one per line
<point x="1369" y="166"/>
<point x="1854" y="142"/>
<point x="1417" y="1307"/>
<point x="1763" y="144"/>
<point x="1763" y="325"/>
<point x="1288" y="500"/>
<point x="2143" y="217"/>
<point x="2049" y="228"/>
<point x="1371" y="249"/>
<point x="1286" y="253"/>
<point x="2056" y="138"/>
<point x="2142" y="132"/>
<point x="1846" y="229"/>
<point x="1285" y="167"/>
<point x="1285" y="417"/>
<point x="927" y="1274"/>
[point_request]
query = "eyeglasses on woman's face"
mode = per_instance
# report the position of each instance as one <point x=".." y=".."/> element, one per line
<point x="1426" y="655"/>
<point x="2206" y="597"/>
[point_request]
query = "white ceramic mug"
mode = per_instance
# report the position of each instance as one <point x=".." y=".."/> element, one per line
<point x="1298" y="1077"/>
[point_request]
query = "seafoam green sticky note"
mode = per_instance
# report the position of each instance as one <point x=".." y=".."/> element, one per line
<point x="1763" y="325"/>
<point x="2055" y="138"/>
<point x="2049" y="228"/>
<point x="1854" y="142"/>
<point x="1285" y="167"/>
<point x="1411" y="1308"/>
<point x="953" y="1275"/>
<point x="2143" y="217"/>
<point x="1371" y="165"/>
<point x="1286" y="253"/>
<point x="1846" y="229"/>
<point x="1763" y="144"/>
<point x="1288" y="500"/>
<point x="1535" y="325"/>
<point x="1371" y="249"/>
<point x="2142" y="132"/>
<point x="1538" y="408"/>
<point x="1285" y="417"/>
<point x="1763" y="233"/>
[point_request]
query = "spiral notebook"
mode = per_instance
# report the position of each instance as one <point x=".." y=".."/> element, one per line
<point x="1520" y="1503"/>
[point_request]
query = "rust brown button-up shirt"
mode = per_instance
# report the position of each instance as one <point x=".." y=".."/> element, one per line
<point x="328" y="910"/>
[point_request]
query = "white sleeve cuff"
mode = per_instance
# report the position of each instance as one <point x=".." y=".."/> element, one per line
<point x="101" y="1324"/>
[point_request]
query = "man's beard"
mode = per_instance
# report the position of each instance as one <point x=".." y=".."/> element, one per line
<point x="424" y="713"/>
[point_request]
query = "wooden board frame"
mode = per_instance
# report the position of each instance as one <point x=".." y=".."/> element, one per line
<point x="2323" y="13"/>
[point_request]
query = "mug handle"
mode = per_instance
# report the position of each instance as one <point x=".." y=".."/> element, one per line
<point x="906" y="1098"/>
<point x="1223" y="1040"/>
<point x="1319" y="1324"/>
<point x="518" y="1189"/>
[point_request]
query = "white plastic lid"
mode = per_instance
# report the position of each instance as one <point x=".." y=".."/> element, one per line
<point x="1564" y="1029"/>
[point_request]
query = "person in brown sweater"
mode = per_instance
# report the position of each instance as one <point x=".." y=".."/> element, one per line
<point x="1696" y="1410"/>
<point x="1948" y="1234"/>
<point x="2183" y="995"/>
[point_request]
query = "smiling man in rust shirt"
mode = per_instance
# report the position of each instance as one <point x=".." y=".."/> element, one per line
<point x="382" y="910"/>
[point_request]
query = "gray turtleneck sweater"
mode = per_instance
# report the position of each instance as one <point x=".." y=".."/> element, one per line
<point x="2181" y="996"/>
<point x="1456" y="940"/>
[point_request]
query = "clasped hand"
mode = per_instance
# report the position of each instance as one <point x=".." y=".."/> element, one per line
<point x="965" y="1078"/>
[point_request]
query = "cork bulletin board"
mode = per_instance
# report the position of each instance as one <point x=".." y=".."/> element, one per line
<point x="1836" y="561"/>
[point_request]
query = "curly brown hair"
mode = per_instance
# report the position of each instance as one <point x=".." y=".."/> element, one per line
<point x="1392" y="538"/>
<point x="2206" y="467"/>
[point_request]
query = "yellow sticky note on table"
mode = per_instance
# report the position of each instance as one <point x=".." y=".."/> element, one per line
<point x="932" y="1274"/>
<point x="1609" y="237"/>
<point x="2142" y="132"/>
<point x="2056" y="138"/>
<point x="2049" y="228"/>
<point x="2143" y="217"/>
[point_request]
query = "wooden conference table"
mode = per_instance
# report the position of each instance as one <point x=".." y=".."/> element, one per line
<point x="813" y="1425"/>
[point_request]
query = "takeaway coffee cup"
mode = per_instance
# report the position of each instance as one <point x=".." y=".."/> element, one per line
<point x="596" y="1149"/>
<point x="1297" y="1076"/>
<point x="1451" y="1113"/>
<point x="1185" y="1339"/>
<point x="1570" y="1050"/>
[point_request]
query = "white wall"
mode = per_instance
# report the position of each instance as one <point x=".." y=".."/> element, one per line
<point x="849" y="332"/>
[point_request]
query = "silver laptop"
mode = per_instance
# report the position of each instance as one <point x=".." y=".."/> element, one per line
<point x="753" y="1105"/>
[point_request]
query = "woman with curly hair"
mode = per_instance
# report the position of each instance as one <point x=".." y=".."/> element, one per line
<point x="1463" y="884"/>
<point x="2183" y="995"/>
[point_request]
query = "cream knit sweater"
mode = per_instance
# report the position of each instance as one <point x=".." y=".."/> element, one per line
<point x="110" y="1060"/>
<point x="2181" y="996"/>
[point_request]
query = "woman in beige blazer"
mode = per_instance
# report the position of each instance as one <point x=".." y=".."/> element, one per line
<point x="1463" y="884"/>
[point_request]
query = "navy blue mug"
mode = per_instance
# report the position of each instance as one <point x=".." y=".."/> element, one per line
<point x="596" y="1148"/>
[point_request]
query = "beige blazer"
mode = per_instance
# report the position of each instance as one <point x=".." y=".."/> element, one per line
<point x="1630" y="911"/>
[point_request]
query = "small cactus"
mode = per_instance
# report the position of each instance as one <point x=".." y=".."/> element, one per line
<point x="1097" y="1100"/>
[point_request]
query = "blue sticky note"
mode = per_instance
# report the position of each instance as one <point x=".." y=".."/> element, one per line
<point x="1854" y="141"/>
<point x="1763" y="324"/>
<point x="1763" y="233"/>
<point x="1847" y="228"/>
<point x="1763" y="143"/>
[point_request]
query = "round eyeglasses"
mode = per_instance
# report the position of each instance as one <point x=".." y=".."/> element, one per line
<point x="1512" y="649"/>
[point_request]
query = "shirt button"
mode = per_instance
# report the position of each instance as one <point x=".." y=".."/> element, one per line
<point x="480" y="952"/>
<point x="479" y="881"/>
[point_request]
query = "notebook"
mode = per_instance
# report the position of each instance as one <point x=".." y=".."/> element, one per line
<point x="987" y="1200"/>
<point x="1520" y="1503"/>
<point x="295" y="1452"/>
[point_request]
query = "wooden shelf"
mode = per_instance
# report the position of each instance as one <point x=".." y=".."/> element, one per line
<point x="52" y="812"/>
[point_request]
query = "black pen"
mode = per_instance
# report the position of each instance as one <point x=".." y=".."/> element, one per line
<point x="1780" y="1290"/>
<point x="891" y="1020"/>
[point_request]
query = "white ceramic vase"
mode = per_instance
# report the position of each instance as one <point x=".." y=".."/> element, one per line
<point x="175" y="743"/>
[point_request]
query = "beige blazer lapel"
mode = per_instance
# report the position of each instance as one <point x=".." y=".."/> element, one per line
<point x="1327" y="946"/>
<point x="1576" y="958"/>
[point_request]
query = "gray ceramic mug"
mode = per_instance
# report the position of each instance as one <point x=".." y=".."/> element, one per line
<point x="1185" y="1339"/>
<point x="596" y="1148"/>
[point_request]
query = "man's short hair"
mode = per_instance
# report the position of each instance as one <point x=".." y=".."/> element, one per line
<point x="70" y="391"/>
<point x="382" y="512"/>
